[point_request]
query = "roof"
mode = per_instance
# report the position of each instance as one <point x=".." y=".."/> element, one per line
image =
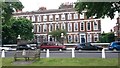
<point x="45" y="11"/>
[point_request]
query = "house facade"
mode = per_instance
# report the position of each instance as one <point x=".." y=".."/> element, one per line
<point x="79" y="28"/>
<point x="117" y="29"/>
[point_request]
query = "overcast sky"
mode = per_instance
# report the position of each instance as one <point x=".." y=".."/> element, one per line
<point x="32" y="5"/>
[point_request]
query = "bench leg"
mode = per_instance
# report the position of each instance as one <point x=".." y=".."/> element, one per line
<point x="15" y="58"/>
<point x="25" y="58"/>
<point x="28" y="58"/>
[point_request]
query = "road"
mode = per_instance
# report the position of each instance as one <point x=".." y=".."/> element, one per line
<point x="67" y="54"/>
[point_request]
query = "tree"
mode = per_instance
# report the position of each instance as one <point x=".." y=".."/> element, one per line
<point x="57" y="34"/>
<point x="107" y="37"/>
<point x="15" y="27"/>
<point x="98" y="9"/>
<point x="8" y="35"/>
<point x="9" y="7"/>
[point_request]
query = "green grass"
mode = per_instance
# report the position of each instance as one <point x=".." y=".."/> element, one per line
<point x="0" y="62"/>
<point x="66" y="62"/>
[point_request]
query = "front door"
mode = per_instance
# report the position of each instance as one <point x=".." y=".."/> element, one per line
<point x="82" y="38"/>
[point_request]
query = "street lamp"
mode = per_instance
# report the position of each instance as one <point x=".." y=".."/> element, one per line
<point x="18" y="39"/>
<point x="62" y="37"/>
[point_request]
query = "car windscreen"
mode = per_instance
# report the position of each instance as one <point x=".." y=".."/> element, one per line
<point x="118" y="43"/>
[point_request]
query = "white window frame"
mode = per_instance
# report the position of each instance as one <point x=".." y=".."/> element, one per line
<point x="38" y="38"/>
<point x="34" y="28"/>
<point x="39" y="18"/>
<point x="33" y="18"/>
<point x="69" y="16"/>
<point x="89" y="37"/>
<point x="82" y="34"/>
<point x="70" y="24"/>
<point x="63" y="17"/>
<point x="96" y="35"/>
<point x="87" y="26"/>
<point x="38" y="28"/>
<point x="28" y="17"/>
<point x="76" y="36"/>
<point x="82" y="16"/>
<point x="50" y="17"/>
<point x="83" y="26"/>
<point x="63" y="25"/>
<point x="95" y="26"/>
<point x="75" y="26"/>
<point x="44" y="27"/>
<point x="71" y="38"/>
<point x="45" y="18"/>
<point x="56" y="17"/>
<point x="50" y="27"/>
<point x="56" y="26"/>
<point x="75" y="16"/>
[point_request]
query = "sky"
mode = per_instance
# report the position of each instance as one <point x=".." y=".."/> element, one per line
<point x="32" y="5"/>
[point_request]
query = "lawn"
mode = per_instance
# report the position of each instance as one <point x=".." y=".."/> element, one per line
<point x="0" y="62"/>
<point x="66" y="62"/>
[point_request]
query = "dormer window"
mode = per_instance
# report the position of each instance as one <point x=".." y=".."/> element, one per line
<point x="69" y="16"/>
<point x="50" y="18"/>
<point x="44" y="18"/>
<point x="56" y="17"/>
<point x="33" y="18"/>
<point x="75" y="16"/>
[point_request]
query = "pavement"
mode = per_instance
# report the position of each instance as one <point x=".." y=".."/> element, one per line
<point x="22" y="62"/>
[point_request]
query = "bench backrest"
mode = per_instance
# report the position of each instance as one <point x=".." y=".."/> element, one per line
<point x="28" y="53"/>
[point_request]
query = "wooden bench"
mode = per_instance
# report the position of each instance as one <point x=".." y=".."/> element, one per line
<point x="28" y="54"/>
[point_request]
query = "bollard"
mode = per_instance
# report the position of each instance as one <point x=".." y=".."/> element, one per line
<point x="43" y="49"/>
<point x="60" y="50"/>
<point x="47" y="54"/>
<point x="24" y="52"/>
<point x="3" y="54"/>
<point x="73" y="52"/>
<point x="103" y="52"/>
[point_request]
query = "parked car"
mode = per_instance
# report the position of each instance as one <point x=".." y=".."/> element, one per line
<point x="114" y="46"/>
<point x="87" y="46"/>
<point x="52" y="45"/>
<point x="24" y="47"/>
<point x="5" y="48"/>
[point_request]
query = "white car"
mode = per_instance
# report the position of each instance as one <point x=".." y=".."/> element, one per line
<point x="6" y="48"/>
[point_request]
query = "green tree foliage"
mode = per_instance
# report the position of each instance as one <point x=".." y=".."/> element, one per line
<point x="98" y="9"/>
<point x="15" y="27"/>
<point x="57" y="34"/>
<point x="8" y="34"/>
<point x="107" y="37"/>
<point x="9" y="7"/>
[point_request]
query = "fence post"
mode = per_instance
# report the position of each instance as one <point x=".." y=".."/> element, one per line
<point x="47" y="54"/>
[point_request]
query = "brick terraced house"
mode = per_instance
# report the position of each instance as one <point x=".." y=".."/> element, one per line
<point x="79" y="28"/>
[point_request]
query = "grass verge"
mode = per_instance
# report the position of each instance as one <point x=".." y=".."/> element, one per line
<point x="0" y="62"/>
<point x="65" y="62"/>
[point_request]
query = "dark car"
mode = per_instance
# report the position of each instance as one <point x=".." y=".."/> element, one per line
<point x="24" y="47"/>
<point x="114" y="46"/>
<point x="52" y="45"/>
<point x="87" y="46"/>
